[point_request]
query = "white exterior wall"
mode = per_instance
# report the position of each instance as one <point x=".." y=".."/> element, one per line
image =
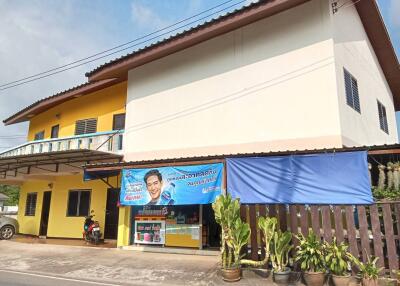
<point x="354" y="52"/>
<point x="267" y="86"/>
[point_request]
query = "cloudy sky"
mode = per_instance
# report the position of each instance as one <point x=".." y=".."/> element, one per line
<point x="38" y="35"/>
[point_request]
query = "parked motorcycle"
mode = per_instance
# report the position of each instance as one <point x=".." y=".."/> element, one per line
<point x="91" y="230"/>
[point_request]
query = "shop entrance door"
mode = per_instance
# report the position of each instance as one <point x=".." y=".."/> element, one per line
<point x="44" y="219"/>
<point x="213" y="229"/>
<point x="112" y="213"/>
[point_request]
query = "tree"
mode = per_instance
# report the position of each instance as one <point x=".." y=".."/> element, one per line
<point x="12" y="192"/>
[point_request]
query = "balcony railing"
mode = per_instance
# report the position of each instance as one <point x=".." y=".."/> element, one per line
<point x="102" y="141"/>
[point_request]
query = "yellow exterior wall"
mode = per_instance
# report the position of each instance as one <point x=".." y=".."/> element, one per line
<point x="59" y="224"/>
<point x="124" y="221"/>
<point x="101" y="104"/>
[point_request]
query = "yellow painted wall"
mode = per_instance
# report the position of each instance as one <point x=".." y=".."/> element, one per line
<point x="124" y="221"/>
<point x="59" y="224"/>
<point x="101" y="104"/>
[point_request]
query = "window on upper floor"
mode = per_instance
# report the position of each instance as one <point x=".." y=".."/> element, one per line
<point x="382" y="117"/>
<point x="30" y="206"/>
<point x="351" y="86"/>
<point x="54" y="131"/>
<point x="39" y="135"/>
<point x="78" y="203"/>
<point x="86" y="126"/>
<point x="119" y="121"/>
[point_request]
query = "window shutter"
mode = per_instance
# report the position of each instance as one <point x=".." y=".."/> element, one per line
<point x="80" y="127"/>
<point x="382" y="117"/>
<point x="356" y="98"/>
<point x="347" y="82"/>
<point x="351" y="87"/>
<point x="91" y="125"/>
<point x="30" y="206"/>
<point x="86" y="126"/>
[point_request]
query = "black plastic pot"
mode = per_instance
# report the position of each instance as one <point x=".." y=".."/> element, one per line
<point x="282" y="277"/>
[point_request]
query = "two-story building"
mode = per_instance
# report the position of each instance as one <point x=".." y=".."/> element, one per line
<point x="271" y="76"/>
<point x="81" y="125"/>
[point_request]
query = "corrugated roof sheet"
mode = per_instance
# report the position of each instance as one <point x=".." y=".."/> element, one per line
<point x="258" y="154"/>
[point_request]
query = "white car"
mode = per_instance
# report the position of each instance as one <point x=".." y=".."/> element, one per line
<point x="8" y="227"/>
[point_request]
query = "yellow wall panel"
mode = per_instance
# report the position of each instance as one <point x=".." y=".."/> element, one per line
<point x="124" y="226"/>
<point x="59" y="224"/>
<point x="101" y="104"/>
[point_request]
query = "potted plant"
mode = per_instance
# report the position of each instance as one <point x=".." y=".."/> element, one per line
<point x="310" y="255"/>
<point x="234" y="235"/>
<point x="337" y="260"/>
<point x="280" y="256"/>
<point x="267" y="226"/>
<point x="369" y="272"/>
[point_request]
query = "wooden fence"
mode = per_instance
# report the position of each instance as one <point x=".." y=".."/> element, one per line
<point x="373" y="229"/>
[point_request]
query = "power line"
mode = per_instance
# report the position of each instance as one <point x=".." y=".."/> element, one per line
<point x="72" y="65"/>
<point x="13" y="137"/>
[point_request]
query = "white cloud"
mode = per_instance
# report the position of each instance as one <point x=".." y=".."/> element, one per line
<point x="394" y="8"/>
<point x="36" y="36"/>
<point x="145" y="17"/>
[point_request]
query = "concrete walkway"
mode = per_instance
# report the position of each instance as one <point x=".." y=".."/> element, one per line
<point x="113" y="266"/>
<point x="109" y="265"/>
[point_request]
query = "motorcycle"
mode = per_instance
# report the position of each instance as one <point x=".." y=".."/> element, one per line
<point x="91" y="230"/>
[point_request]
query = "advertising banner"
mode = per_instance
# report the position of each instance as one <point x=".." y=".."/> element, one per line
<point x="178" y="185"/>
<point x="150" y="232"/>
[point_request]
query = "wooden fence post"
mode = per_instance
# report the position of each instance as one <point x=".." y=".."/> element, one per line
<point x="326" y="222"/>
<point x="376" y="233"/>
<point x="389" y="236"/>
<point x="364" y="236"/>
<point x="315" y="221"/>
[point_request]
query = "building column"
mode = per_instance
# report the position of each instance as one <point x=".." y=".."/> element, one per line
<point x="124" y="226"/>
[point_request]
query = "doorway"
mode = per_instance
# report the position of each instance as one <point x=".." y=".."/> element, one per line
<point x="112" y="214"/>
<point x="44" y="220"/>
<point x="213" y="228"/>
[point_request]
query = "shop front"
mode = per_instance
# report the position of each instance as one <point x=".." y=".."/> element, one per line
<point x="171" y="206"/>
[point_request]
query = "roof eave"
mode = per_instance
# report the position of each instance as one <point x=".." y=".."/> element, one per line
<point x="44" y="104"/>
<point x="378" y="35"/>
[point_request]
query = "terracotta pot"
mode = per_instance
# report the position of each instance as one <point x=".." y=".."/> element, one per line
<point x="314" y="278"/>
<point x="282" y="277"/>
<point x="369" y="282"/>
<point x="340" y="280"/>
<point x="231" y="274"/>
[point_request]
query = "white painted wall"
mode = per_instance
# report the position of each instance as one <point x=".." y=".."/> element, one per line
<point x="354" y="52"/>
<point x="267" y="86"/>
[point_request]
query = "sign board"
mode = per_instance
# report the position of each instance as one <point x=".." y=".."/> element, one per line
<point x="178" y="185"/>
<point x="150" y="232"/>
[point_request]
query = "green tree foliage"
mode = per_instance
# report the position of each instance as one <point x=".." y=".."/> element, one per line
<point x="12" y="192"/>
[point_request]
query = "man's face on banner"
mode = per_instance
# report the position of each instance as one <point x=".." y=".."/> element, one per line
<point x="154" y="185"/>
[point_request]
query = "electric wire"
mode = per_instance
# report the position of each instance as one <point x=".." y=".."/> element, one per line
<point x="61" y="68"/>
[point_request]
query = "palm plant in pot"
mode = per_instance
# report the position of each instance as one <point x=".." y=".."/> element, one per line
<point x="280" y="249"/>
<point x="310" y="255"/>
<point x="369" y="271"/>
<point x="337" y="259"/>
<point x="267" y="226"/>
<point x="234" y="235"/>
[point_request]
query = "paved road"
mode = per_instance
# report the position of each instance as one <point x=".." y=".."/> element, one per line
<point x="105" y="265"/>
<point x="24" y="264"/>
<point x="12" y="278"/>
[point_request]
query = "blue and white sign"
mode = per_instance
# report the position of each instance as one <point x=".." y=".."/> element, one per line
<point x="184" y="185"/>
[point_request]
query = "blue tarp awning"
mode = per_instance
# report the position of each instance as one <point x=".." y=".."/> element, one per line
<point x="329" y="178"/>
